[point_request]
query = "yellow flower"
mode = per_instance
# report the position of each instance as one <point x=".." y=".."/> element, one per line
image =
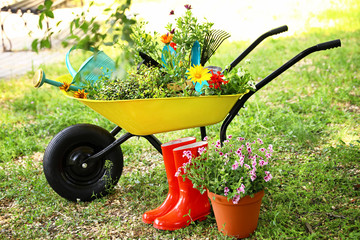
<point x="80" y="94"/>
<point x="65" y="87"/>
<point x="198" y="74"/>
<point x="166" y="38"/>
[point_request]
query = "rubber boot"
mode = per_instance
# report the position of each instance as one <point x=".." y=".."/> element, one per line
<point x="173" y="194"/>
<point x="192" y="205"/>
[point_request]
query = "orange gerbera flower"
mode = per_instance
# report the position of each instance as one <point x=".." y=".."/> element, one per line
<point x="166" y="38"/>
<point x="65" y="86"/>
<point x="80" y="94"/>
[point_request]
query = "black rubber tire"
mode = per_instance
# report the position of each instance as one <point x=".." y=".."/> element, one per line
<point x="64" y="173"/>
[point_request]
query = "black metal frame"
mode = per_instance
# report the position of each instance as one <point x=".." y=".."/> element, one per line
<point x="238" y="105"/>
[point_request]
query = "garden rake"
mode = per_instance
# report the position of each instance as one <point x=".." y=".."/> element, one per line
<point x="212" y="42"/>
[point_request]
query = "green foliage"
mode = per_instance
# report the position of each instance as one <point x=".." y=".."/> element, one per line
<point x="145" y="83"/>
<point x="235" y="169"/>
<point x="188" y="29"/>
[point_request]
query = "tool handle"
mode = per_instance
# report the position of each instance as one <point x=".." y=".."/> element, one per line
<point x="328" y="45"/>
<point x="278" y="30"/>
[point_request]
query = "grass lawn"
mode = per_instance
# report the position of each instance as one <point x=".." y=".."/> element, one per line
<point x="311" y="114"/>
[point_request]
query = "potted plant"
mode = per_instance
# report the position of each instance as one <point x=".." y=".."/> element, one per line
<point x="235" y="175"/>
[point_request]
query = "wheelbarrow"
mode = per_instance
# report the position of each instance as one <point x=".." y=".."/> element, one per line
<point x="84" y="161"/>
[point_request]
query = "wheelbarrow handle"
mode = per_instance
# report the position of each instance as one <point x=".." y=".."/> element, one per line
<point x="254" y="44"/>
<point x="240" y="103"/>
<point x="328" y="45"/>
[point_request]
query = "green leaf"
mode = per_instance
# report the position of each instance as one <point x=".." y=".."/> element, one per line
<point x="34" y="46"/>
<point x="49" y="13"/>
<point x="45" y="43"/>
<point x="48" y="4"/>
<point x="40" y="7"/>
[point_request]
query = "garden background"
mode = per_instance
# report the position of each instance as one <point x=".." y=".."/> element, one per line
<point x="310" y="114"/>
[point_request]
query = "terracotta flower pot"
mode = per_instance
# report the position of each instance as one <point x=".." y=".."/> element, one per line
<point x="236" y="220"/>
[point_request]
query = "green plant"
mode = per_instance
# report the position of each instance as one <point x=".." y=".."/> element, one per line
<point x="235" y="169"/>
<point x="139" y="84"/>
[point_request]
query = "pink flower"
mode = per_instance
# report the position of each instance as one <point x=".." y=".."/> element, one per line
<point x="260" y="141"/>
<point x="172" y="12"/>
<point x="236" y="199"/>
<point x="230" y="136"/>
<point x="247" y="166"/>
<point x="241" y="161"/>
<point x="262" y="149"/>
<point x="201" y="150"/>
<point x="268" y="176"/>
<point x="235" y="165"/>
<point x="205" y="138"/>
<point x="241" y="189"/>
<point x="188" y="154"/>
<point x="254" y="163"/>
<point x="270" y="148"/>
<point x="178" y="172"/>
<point x="262" y="163"/>
<point x="240" y="139"/>
<point x="226" y="191"/>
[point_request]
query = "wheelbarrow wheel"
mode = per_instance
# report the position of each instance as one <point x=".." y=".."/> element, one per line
<point x="63" y="166"/>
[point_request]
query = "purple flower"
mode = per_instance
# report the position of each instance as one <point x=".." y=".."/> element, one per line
<point x="187" y="6"/>
<point x="172" y="12"/>
<point x="172" y="32"/>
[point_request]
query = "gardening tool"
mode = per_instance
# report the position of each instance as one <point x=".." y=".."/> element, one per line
<point x="96" y="66"/>
<point x="148" y="61"/>
<point x="39" y="79"/>
<point x="174" y="191"/>
<point x="168" y="52"/>
<point x="85" y="161"/>
<point x="192" y="205"/>
<point x="212" y="42"/>
<point x="195" y="61"/>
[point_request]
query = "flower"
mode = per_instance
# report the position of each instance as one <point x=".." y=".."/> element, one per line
<point x="65" y="87"/>
<point x="173" y="45"/>
<point x="187" y="6"/>
<point x="80" y="94"/>
<point x="229" y="169"/>
<point x="198" y="74"/>
<point x="166" y="38"/>
<point x="172" y="12"/>
<point x="216" y="80"/>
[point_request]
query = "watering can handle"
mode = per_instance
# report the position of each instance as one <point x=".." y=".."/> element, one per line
<point x="67" y="60"/>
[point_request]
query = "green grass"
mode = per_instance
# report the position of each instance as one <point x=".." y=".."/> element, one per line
<point x="311" y="114"/>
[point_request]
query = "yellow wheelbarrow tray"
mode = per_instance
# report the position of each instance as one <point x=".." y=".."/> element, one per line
<point x="157" y="115"/>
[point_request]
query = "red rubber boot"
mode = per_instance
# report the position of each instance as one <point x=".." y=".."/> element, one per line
<point x="173" y="194"/>
<point x="192" y="205"/>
